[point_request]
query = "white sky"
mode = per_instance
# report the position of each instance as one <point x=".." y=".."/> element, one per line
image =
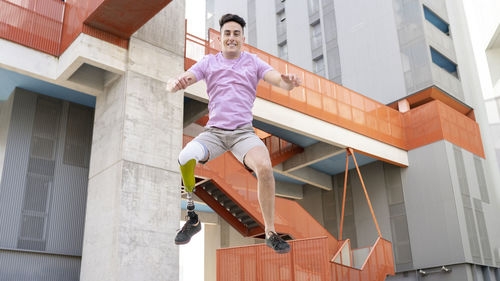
<point x="192" y="257"/>
<point x="195" y="15"/>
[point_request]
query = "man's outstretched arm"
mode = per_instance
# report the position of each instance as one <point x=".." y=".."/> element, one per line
<point x="181" y="82"/>
<point x="284" y="81"/>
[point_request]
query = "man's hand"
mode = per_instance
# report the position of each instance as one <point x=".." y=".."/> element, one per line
<point x="174" y="85"/>
<point x="292" y="80"/>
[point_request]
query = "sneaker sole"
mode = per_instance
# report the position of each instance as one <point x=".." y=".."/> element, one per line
<point x="187" y="241"/>
<point x="182" y="243"/>
<point x="284" y="251"/>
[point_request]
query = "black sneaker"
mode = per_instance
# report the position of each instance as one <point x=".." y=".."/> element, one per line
<point x="187" y="231"/>
<point x="279" y="245"/>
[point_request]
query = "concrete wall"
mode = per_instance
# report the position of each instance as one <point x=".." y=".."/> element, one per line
<point x="313" y="203"/>
<point x="373" y="177"/>
<point x="5" y="114"/>
<point x="266" y="27"/>
<point x="414" y="50"/>
<point x="450" y="213"/>
<point x="493" y="58"/>
<point x="385" y="189"/>
<point x="331" y="48"/>
<point x="477" y="39"/>
<point x="132" y="214"/>
<point x="429" y="194"/>
<point x="298" y="34"/>
<point x="369" y="50"/>
<point x="459" y="272"/>
<point x="475" y="28"/>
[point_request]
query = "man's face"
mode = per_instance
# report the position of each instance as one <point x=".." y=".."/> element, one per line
<point x="231" y="39"/>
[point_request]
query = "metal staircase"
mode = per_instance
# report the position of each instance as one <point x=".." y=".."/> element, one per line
<point x="231" y="190"/>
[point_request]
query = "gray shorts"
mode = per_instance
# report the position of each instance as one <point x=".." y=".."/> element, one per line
<point x="239" y="141"/>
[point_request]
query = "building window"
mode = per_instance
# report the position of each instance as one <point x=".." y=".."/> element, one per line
<point x="316" y="35"/>
<point x="319" y="66"/>
<point x="283" y="51"/>
<point x="438" y="22"/>
<point x="444" y="62"/>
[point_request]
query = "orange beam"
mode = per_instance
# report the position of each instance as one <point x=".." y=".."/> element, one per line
<point x="343" y="197"/>
<point x="366" y="193"/>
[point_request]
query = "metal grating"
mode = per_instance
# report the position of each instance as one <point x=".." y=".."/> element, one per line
<point x="483" y="232"/>
<point x="398" y="219"/>
<point x="462" y="177"/>
<point x="481" y="180"/>
<point x="467" y="205"/>
<point x="473" y="238"/>
<point x="40" y="175"/>
<point x="78" y="140"/>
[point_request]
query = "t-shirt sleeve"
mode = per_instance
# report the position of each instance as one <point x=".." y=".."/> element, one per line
<point x="262" y="68"/>
<point x="199" y="68"/>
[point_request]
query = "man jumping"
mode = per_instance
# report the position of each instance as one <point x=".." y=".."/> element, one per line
<point x="231" y="77"/>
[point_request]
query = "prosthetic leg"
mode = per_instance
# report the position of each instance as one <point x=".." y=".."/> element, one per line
<point x="187" y="172"/>
<point x="192" y="225"/>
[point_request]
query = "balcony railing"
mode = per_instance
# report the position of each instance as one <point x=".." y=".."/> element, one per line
<point x="34" y="24"/>
<point x="330" y="102"/>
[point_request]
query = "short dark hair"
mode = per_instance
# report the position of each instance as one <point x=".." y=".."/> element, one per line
<point x="230" y="17"/>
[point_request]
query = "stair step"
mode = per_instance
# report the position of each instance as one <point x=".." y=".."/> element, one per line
<point x="252" y="225"/>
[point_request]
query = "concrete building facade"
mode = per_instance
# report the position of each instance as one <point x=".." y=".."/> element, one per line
<point x="89" y="180"/>
<point x="440" y="211"/>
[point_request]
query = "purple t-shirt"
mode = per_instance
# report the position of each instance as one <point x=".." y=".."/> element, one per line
<point x="231" y="87"/>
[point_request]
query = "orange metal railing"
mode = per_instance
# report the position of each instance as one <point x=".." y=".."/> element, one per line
<point x="328" y="101"/>
<point x="317" y="97"/>
<point x="435" y="121"/>
<point x="378" y="265"/>
<point x="308" y="260"/>
<point x="40" y="24"/>
<point x="232" y="178"/>
<point x="35" y="24"/>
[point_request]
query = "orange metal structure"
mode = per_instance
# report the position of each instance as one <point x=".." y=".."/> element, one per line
<point x="123" y="17"/>
<point x="310" y="259"/>
<point x="34" y="24"/>
<point x="51" y="26"/>
<point x="328" y="101"/>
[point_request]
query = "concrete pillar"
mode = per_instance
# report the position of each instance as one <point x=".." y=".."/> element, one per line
<point x="132" y="211"/>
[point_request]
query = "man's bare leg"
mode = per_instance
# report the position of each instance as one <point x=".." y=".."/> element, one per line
<point x="258" y="160"/>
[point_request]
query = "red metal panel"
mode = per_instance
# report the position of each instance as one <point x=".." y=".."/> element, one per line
<point x="74" y="14"/>
<point x="108" y="37"/>
<point x="36" y="24"/>
<point x="307" y="260"/>
<point x="124" y="17"/>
